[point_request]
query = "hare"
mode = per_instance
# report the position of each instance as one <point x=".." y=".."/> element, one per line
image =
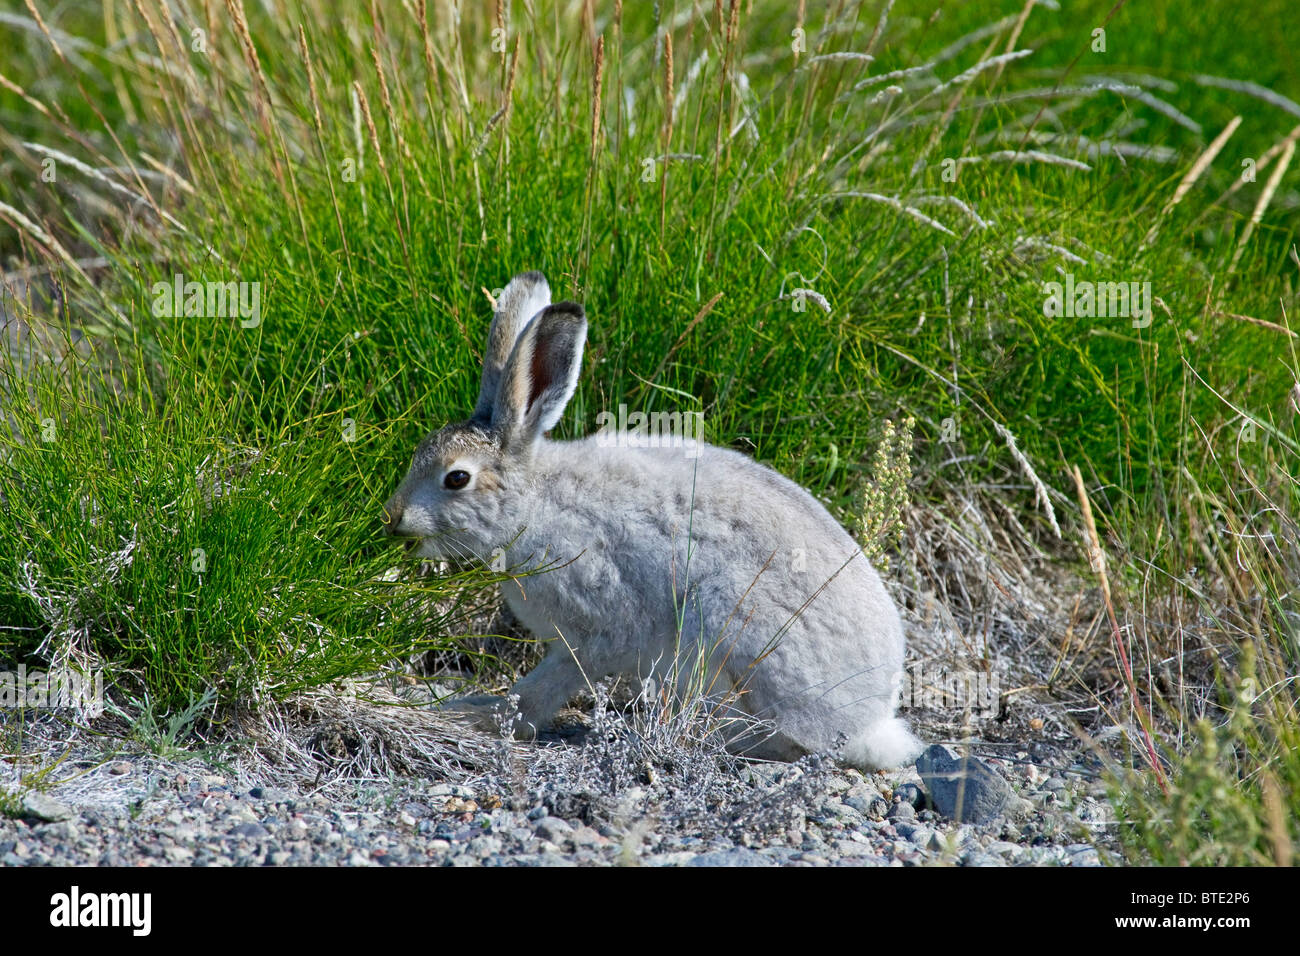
<point x="655" y="561"/>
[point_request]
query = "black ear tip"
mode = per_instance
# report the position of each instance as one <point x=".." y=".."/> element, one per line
<point x="532" y="275"/>
<point x="569" y="309"/>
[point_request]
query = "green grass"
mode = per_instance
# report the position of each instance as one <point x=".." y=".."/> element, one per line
<point x="374" y="252"/>
<point x="193" y="547"/>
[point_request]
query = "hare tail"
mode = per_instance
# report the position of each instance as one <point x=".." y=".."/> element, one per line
<point x="884" y="746"/>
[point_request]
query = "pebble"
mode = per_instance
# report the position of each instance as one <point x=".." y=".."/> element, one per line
<point x="921" y="836"/>
<point x="1082" y="854"/>
<point x="736" y="856"/>
<point x="269" y="794"/>
<point x="910" y="793"/>
<point x="852" y="848"/>
<point x="38" y="805"/>
<point x="484" y="847"/>
<point x="65" y="830"/>
<point x="178" y="854"/>
<point x="680" y="858"/>
<point x="249" y="831"/>
<point x="901" y="810"/>
<point x="861" y="804"/>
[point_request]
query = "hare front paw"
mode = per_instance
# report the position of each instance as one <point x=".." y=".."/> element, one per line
<point x="482" y="711"/>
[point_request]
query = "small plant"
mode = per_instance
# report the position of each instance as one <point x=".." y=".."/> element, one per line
<point x="167" y="736"/>
<point x="1233" y="799"/>
<point x="29" y="773"/>
<point x="884" y="499"/>
<point x="10" y="803"/>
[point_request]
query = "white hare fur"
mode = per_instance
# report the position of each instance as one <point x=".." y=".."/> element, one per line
<point x="774" y="594"/>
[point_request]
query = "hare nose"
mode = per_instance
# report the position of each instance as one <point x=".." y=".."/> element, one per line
<point x="393" y="514"/>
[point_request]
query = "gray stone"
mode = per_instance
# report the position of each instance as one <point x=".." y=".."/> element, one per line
<point x="901" y="810"/>
<point x="484" y="846"/>
<point x="1082" y="854"/>
<point x="269" y="794"/>
<point x="838" y="784"/>
<point x="554" y="829"/>
<point x="244" y="814"/>
<point x="45" y="808"/>
<point x="1091" y="812"/>
<point x="864" y="789"/>
<point x="965" y="788"/>
<point x="910" y="793"/>
<point x="178" y="854"/>
<point x="252" y="831"/>
<point x="678" y="858"/>
<point x="736" y="856"/>
<point x="861" y="804"/>
<point x="1046" y="855"/>
<point x="66" y="830"/>
<point x="853" y="848"/>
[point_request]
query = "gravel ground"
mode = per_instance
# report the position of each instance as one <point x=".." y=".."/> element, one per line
<point x="130" y="810"/>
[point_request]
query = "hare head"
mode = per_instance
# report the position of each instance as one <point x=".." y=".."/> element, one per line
<point x="460" y="498"/>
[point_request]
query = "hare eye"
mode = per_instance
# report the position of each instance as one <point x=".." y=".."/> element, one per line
<point x="456" y="479"/>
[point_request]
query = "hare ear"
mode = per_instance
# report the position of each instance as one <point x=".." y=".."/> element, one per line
<point x="523" y="297"/>
<point x="541" y="375"/>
